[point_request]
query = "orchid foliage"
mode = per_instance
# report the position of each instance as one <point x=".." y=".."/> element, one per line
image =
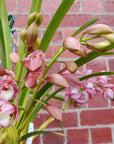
<point x="30" y="77"/>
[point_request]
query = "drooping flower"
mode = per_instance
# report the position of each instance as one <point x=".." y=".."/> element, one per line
<point x="7" y="110"/>
<point x="71" y="43"/>
<point x="57" y="79"/>
<point x="76" y="96"/>
<point x="8" y="88"/>
<point x="34" y="61"/>
<point x="55" y="112"/>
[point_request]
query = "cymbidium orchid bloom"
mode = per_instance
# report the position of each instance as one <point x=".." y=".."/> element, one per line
<point x="7" y="110"/>
<point x="108" y="93"/>
<point x="89" y="84"/>
<point x="76" y="96"/>
<point x="8" y="88"/>
<point x="34" y="61"/>
<point x="33" y="78"/>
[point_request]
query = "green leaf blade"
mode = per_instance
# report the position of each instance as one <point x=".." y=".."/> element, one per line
<point x="56" y="20"/>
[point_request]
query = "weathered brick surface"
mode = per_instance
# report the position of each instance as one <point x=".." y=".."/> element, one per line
<point x="78" y="136"/>
<point x="101" y="135"/>
<point x="92" y="124"/>
<point x="97" y="117"/>
<point x="108" y="6"/>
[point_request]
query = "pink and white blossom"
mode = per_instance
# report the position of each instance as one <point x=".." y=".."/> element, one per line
<point x="8" y="88"/>
<point x="108" y="93"/>
<point x="7" y="110"/>
<point x="76" y="96"/>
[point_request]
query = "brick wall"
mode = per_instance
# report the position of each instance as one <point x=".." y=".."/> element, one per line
<point x="94" y="123"/>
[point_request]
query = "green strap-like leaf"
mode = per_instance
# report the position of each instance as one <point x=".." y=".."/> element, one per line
<point x="6" y="32"/>
<point x="96" y="74"/>
<point x="85" y="26"/>
<point x="56" y="20"/>
<point x="37" y="133"/>
<point x="2" y="48"/>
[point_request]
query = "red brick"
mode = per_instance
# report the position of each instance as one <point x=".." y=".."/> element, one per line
<point x="75" y="20"/>
<point x="24" y="5"/>
<point x="111" y="64"/>
<point x="11" y="5"/>
<point x="96" y="117"/>
<point x="108" y="6"/>
<point x="75" y="7"/>
<point x="69" y="32"/>
<point x="97" y="101"/>
<point x="78" y="136"/>
<point x="101" y="135"/>
<point x="106" y="19"/>
<point x="69" y="120"/>
<point x="91" y="6"/>
<point x="97" y="65"/>
<point x="20" y="20"/>
<point x="46" y="20"/>
<point x="57" y="37"/>
<point x="36" y="140"/>
<point x="53" y="138"/>
<point x="49" y="5"/>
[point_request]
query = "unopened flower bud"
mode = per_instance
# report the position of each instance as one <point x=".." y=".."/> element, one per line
<point x="71" y="66"/>
<point x="82" y="52"/>
<point x="98" y="46"/>
<point x="57" y="79"/>
<point x="39" y="19"/>
<point x="36" y="44"/>
<point x="31" y="18"/>
<point x="55" y="112"/>
<point x="71" y="43"/>
<point x="14" y="57"/>
<point x="23" y="35"/>
<point x="109" y="37"/>
<point x="32" y="34"/>
<point x="99" y="29"/>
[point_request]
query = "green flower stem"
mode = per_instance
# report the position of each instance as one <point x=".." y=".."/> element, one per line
<point x="21" y="66"/>
<point x="32" y="101"/>
<point x="89" y="38"/>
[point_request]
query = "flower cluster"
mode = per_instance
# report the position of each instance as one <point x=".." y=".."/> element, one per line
<point x="8" y="91"/>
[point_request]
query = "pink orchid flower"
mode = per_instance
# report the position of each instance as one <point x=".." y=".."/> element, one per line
<point x="7" y="110"/>
<point x="72" y="79"/>
<point x="33" y="78"/>
<point x="89" y="84"/>
<point x="34" y="61"/>
<point x="75" y="95"/>
<point x="108" y="93"/>
<point x="8" y="88"/>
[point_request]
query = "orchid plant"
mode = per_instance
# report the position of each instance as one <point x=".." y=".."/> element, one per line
<point x="31" y="77"/>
